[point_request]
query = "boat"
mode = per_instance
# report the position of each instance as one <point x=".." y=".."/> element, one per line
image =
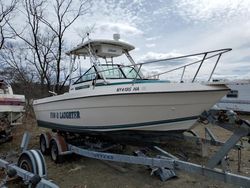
<point x="11" y="110"/>
<point x="238" y="98"/>
<point x="118" y="101"/>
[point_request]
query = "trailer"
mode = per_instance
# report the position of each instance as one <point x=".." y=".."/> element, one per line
<point x="30" y="168"/>
<point x="165" y="164"/>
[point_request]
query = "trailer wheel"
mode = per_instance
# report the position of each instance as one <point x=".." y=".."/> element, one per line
<point x="54" y="152"/>
<point x="33" y="161"/>
<point x="25" y="163"/>
<point x="43" y="146"/>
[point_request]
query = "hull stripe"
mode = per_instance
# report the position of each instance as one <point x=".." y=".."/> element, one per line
<point x="72" y="128"/>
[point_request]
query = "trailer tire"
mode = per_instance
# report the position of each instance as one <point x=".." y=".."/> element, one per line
<point x="43" y="145"/>
<point x="33" y="161"/>
<point x="54" y="152"/>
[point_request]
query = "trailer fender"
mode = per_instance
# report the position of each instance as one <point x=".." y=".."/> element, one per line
<point x="33" y="161"/>
<point x="58" y="148"/>
<point x="61" y="143"/>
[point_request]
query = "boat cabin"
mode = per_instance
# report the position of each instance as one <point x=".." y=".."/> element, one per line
<point x="109" y="71"/>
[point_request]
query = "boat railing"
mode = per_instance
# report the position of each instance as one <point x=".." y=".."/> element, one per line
<point x="205" y="56"/>
<point x="199" y="61"/>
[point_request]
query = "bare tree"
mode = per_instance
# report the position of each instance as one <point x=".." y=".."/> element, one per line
<point x="6" y="10"/>
<point x="14" y="64"/>
<point x="66" y="14"/>
<point x="38" y="40"/>
<point x="44" y="35"/>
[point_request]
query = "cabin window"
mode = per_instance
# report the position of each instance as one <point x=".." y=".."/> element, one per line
<point x="232" y="94"/>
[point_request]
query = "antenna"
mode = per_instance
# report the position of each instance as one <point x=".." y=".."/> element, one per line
<point x="116" y="36"/>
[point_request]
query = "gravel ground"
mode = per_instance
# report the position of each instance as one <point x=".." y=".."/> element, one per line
<point x="80" y="172"/>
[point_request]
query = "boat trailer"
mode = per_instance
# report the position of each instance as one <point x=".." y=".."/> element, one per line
<point x="29" y="169"/>
<point x="165" y="165"/>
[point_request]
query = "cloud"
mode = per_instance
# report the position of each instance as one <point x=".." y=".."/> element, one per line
<point x="231" y="36"/>
<point x="122" y="28"/>
<point x="152" y="56"/>
<point x="245" y="45"/>
<point x="150" y="45"/>
<point x="203" y="10"/>
<point x="186" y="25"/>
<point x="214" y="25"/>
<point x="246" y="59"/>
<point x="122" y="11"/>
<point x="152" y="38"/>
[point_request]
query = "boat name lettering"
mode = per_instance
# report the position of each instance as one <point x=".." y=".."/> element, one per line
<point x="65" y="115"/>
<point x="127" y="89"/>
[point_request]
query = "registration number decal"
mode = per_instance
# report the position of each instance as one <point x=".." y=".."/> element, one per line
<point x="127" y="89"/>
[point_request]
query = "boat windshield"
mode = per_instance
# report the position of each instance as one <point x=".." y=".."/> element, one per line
<point x="110" y="72"/>
<point x="130" y="73"/>
<point x="87" y="76"/>
<point x="118" y="72"/>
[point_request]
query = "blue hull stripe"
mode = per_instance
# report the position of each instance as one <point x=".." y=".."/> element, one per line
<point x="74" y="128"/>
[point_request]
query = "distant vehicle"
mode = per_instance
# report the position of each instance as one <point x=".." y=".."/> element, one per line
<point x="238" y="98"/>
<point x="11" y="110"/>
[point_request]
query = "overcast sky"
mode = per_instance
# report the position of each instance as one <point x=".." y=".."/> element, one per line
<point x="164" y="28"/>
<point x="159" y="28"/>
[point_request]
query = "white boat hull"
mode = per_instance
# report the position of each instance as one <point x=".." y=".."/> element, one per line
<point x="12" y="108"/>
<point x="173" y="107"/>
